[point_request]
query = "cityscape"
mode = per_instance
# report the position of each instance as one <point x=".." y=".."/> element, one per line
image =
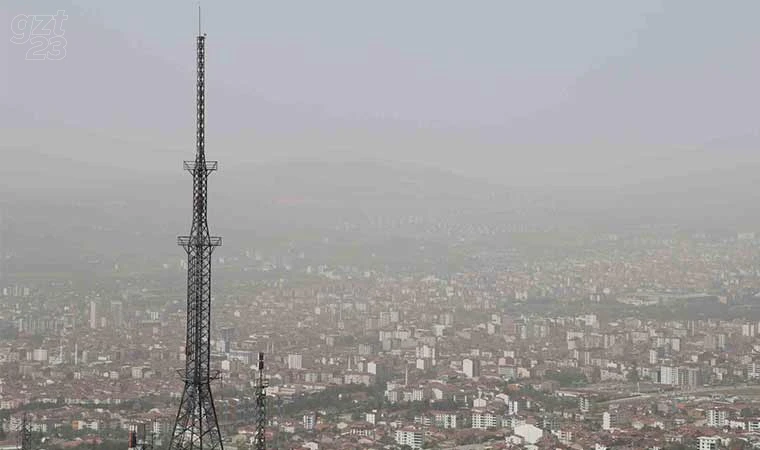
<point x="368" y="303"/>
<point x="646" y="340"/>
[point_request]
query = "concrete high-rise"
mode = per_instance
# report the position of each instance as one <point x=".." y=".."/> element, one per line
<point x="117" y="313"/>
<point x="93" y="314"/>
<point x="295" y="362"/>
<point x="471" y="367"/>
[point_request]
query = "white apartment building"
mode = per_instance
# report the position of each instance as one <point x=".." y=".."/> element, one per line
<point x="411" y="437"/>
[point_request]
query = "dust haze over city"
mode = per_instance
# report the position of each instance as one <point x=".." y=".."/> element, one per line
<point x="473" y="225"/>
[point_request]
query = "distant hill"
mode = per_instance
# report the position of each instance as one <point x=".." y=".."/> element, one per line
<point x="286" y="184"/>
<point x="323" y="193"/>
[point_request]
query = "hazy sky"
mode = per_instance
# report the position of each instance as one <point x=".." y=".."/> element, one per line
<point x="523" y="92"/>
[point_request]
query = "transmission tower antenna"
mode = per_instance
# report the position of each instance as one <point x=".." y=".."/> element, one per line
<point x="25" y="434"/>
<point x="196" y="426"/>
<point x="261" y="407"/>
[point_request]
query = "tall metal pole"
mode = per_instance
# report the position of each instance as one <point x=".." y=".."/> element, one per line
<point x="197" y="426"/>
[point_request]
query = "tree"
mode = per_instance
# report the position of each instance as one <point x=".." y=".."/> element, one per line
<point x="676" y="446"/>
<point x="567" y="377"/>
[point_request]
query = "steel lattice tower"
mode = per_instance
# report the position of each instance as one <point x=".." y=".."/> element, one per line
<point x="25" y="434"/>
<point x="197" y="426"/>
<point x="262" y="384"/>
